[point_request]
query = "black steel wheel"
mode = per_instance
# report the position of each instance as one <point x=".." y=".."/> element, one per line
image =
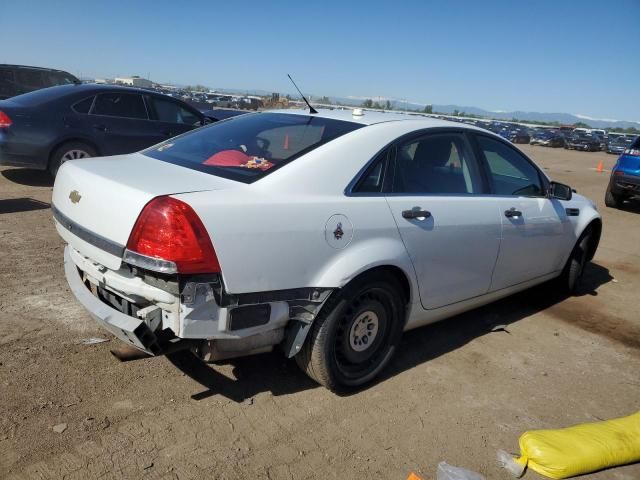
<point x="355" y="334"/>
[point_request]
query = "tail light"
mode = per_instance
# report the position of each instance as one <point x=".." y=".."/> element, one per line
<point x="633" y="152"/>
<point x="5" y="121"/>
<point x="169" y="230"/>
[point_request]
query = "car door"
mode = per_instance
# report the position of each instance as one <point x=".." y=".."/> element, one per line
<point x="536" y="230"/>
<point x="170" y="117"/>
<point x="451" y="234"/>
<point x="120" y="123"/>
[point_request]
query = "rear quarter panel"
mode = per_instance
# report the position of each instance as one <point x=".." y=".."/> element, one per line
<point x="279" y="242"/>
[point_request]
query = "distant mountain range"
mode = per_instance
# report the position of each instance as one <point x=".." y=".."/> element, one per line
<point x="563" y="118"/>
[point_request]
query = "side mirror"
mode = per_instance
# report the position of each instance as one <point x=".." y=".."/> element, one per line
<point x="560" y="191"/>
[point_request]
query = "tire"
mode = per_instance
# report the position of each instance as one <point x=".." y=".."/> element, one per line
<point x="574" y="268"/>
<point x="355" y="335"/>
<point x="611" y="200"/>
<point x="69" y="151"/>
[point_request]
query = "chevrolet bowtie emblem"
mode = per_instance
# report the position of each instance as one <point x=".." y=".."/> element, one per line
<point x="75" y="196"/>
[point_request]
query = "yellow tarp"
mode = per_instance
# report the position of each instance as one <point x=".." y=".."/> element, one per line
<point x="583" y="448"/>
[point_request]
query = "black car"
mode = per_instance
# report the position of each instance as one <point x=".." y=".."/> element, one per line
<point x="19" y="79"/>
<point x="548" y="139"/>
<point x="519" y="135"/>
<point x="580" y="141"/>
<point x="45" y="128"/>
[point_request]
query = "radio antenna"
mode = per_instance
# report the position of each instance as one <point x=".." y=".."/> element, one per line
<point x="311" y="109"/>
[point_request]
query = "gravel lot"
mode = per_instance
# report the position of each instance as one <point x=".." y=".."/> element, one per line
<point x="457" y="391"/>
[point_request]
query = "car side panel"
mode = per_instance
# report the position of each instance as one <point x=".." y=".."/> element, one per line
<point x="587" y="214"/>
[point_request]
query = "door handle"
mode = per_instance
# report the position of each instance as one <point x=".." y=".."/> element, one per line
<point x="410" y="214"/>
<point x="101" y="128"/>
<point x="512" y="213"/>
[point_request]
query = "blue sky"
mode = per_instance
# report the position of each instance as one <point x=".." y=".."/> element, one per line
<point x="546" y="56"/>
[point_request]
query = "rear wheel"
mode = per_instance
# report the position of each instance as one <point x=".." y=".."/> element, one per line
<point x="611" y="200"/>
<point x="69" y="151"/>
<point x="355" y="335"/>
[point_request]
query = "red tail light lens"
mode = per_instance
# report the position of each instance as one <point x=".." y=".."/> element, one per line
<point x="5" y="121"/>
<point x="170" y="230"/>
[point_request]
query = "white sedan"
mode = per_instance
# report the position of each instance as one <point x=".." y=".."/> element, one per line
<point x="325" y="234"/>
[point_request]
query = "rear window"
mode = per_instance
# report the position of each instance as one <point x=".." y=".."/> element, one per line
<point x="248" y="147"/>
<point x="43" y="95"/>
<point x="83" y="106"/>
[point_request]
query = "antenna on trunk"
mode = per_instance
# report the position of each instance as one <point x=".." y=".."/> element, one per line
<point x="311" y="109"/>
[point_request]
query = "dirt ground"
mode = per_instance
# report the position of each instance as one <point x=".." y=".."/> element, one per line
<point x="456" y="392"/>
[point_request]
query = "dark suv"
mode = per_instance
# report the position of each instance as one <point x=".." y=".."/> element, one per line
<point x="19" y="79"/>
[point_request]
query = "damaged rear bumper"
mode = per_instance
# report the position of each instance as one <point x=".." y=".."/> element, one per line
<point x="200" y="315"/>
<point x="128" y="329"/>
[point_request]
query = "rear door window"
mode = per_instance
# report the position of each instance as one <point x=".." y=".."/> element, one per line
<point x="436" y="164"/>
<point x="250" y="146"/>
<point x="126" y="105"/>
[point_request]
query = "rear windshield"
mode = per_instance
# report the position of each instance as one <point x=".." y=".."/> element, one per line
<point x="43" y="95"/>
<point x="248" y="147"/>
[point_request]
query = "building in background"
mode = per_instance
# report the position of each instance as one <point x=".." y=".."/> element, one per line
<point x="134" y="81"/>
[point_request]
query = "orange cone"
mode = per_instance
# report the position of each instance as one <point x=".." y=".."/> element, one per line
<point x="600" y="167"/>
<point x="286" y="141"/>
<point x="413" y="476"/>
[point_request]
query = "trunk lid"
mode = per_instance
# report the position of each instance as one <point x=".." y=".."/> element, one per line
<point x="101" y="199"/>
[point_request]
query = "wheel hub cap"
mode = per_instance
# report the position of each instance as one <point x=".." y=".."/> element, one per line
<point x="74" y="155"/>
<point x="363" y="331"/>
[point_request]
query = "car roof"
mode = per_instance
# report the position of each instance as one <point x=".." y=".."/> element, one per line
<point x="30" y="67"/>
<point x="372" y="117"/>
<point x="98" y="87"/>
<point x="45" y="95"/>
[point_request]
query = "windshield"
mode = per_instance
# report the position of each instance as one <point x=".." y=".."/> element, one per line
<point x="248" y="147"/>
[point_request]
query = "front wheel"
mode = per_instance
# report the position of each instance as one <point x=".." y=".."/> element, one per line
<point x="355" y="335"/>
<point x="574" y="268"/>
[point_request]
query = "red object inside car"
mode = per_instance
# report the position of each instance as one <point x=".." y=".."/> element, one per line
<point x="236" y="158"/>
<point x="227" y="158"/>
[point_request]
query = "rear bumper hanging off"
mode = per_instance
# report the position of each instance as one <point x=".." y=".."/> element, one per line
<point x="126" y="328"/>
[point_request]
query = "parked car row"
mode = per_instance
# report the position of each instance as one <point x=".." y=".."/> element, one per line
<point x="213" y="100"/>
<point x="585" y="139"/>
